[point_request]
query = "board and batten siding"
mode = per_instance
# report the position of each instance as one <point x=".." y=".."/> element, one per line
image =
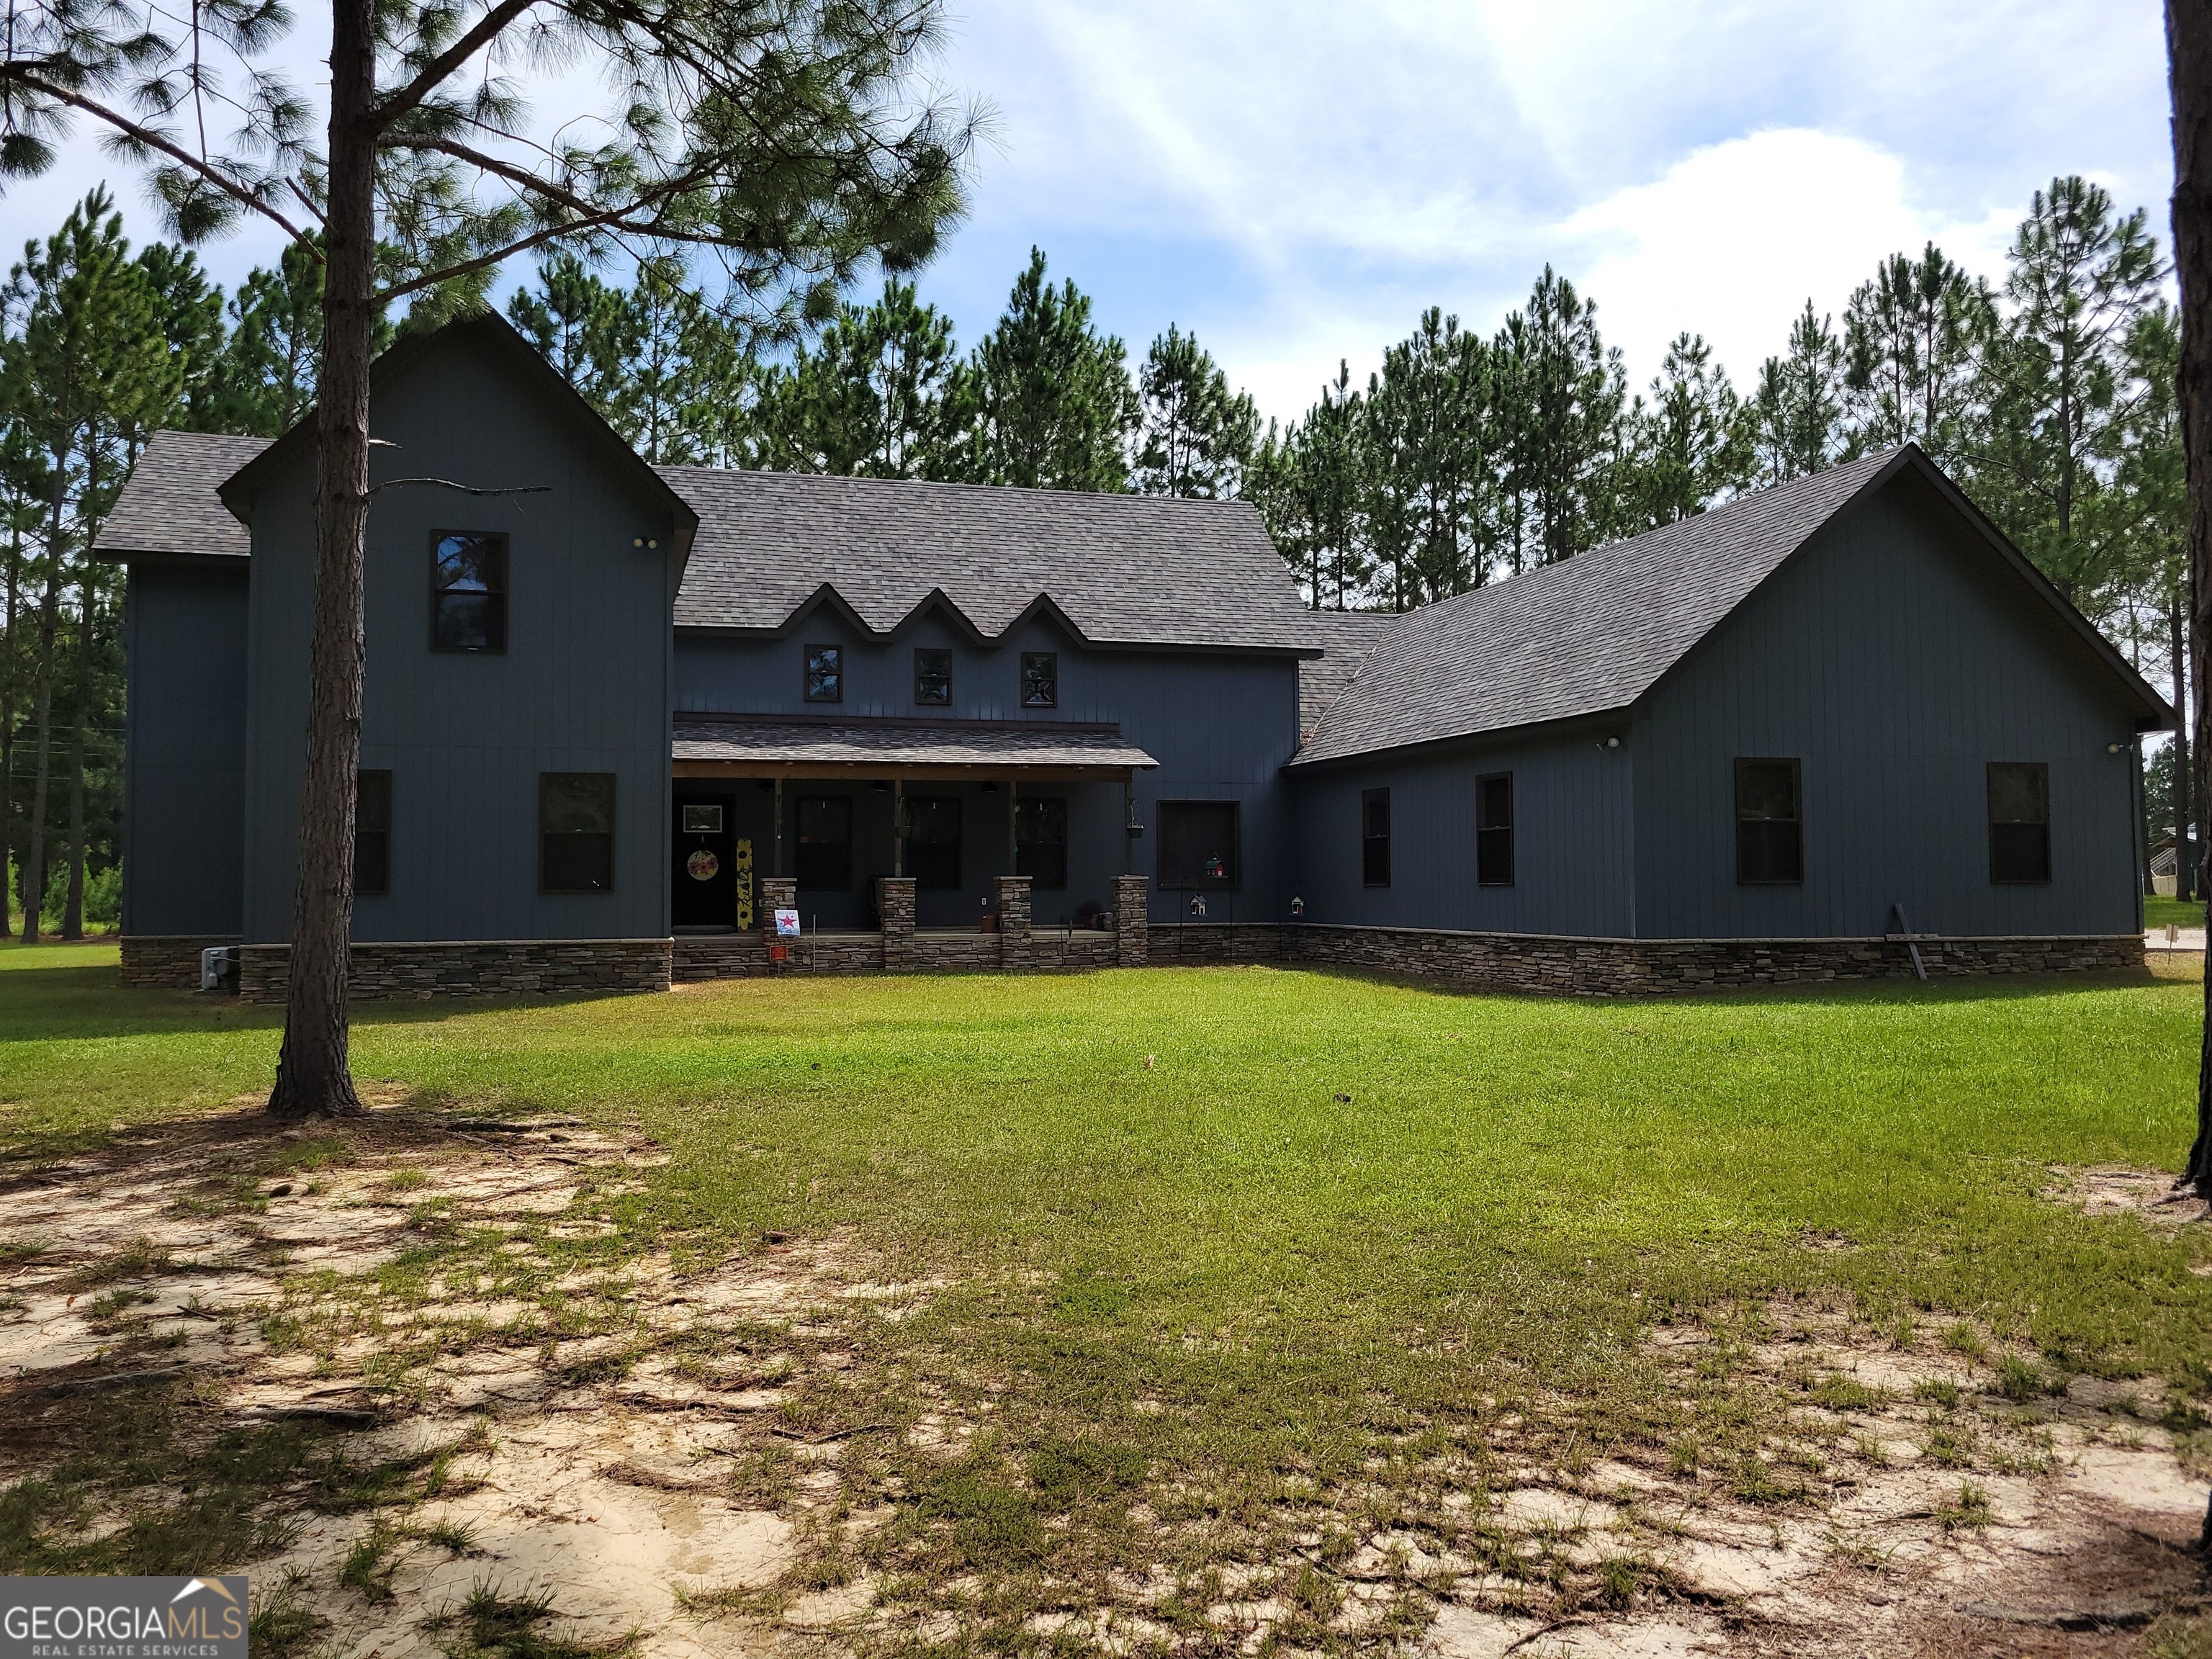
<point x="1895" y="657"/>
<point x="1221" y="724"/>
<point x="1573" y="865"/>
<point x="184" y="634"/>
<point x="583" y="685"/>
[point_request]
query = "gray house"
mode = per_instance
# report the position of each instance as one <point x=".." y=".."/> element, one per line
<point x="617" y="719"/>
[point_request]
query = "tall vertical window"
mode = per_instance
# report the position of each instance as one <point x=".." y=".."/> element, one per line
<point x="825" y="673"/>
<point x="825" y="843"/>
<point x="932" y="676"/>
<point x="1041" y="841"/>
<point x="371" y="832"/>
<point x="1040" y="679"/>
<point x="576" y="832"/>
<point x="1197" y="844"/>
<point x="468" y="591"/>
<point x="1374" y="837"/>
<point x="1493" y="830"/>
<point x="933" y="845"/>
<point x="2019" y="821"/>
<point x="1769" y="823"/>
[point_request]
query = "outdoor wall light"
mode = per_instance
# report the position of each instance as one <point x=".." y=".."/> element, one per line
<point x="2114" y="748"/>
<point x="1134" y="828"/>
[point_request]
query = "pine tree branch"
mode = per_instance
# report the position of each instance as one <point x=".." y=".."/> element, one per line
<point x="434" y="74"/>
<point x="18" y="73"/>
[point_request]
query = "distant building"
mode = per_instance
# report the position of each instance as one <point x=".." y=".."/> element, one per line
<point x="613" y="724"/>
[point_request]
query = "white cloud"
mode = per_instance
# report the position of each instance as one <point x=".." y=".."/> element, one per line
<point x="1666" y="257"/>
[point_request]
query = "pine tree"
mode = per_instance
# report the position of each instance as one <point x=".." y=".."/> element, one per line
<point x="2055" y="374"/>
<point x="1911" y="335"/>
<point x="1429" y="472"/>
<point x="1691" y="444"/>
<point x="1054" y="408"/>
<point x="191" y="321"/>
<point x="879" y="395"/>
<point x="1196" y="435"/>
<point x="270" y="364"/>
<point x="574" y="319"/>
<point x="1797" y="411"/>
<point x="1560" y="398"/>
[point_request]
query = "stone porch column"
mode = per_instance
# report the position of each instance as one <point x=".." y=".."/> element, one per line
<point x="1013" y="922"/>
<point x="1131" y="922"/>
<point x="894" y="904"/>
<point x="773" y="893"/>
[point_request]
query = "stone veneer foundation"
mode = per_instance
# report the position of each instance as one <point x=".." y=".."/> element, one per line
<point x="1561" y="966"/>
<point x="417" y="972"/>
<point x="167" y="961"/>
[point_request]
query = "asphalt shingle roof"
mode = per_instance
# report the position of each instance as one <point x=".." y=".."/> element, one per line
<point x="1346" y="638"/>
<point x="1587" y="635"/>
<point x="168" y="503"/>
<point x="1124" y="569"/>
<point x="900" y="743"/>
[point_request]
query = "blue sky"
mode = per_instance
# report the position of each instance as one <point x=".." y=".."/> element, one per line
<point x="1295" y="181"/>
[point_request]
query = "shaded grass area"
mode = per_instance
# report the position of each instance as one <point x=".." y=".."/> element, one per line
<point x="1214" y="1242"/>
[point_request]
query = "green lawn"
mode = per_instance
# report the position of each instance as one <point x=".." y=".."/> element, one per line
<point x="2157" y="912"/>
<point x="1513" y="1192"/>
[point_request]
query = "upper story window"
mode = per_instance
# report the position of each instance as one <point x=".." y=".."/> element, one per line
<point x="932" y="676"/>
<point x="371" y="832"/>
<point x="575" y="832"/>
<point x="1040" y="679"/>
<point x="2019" y="821"/>
<point x="825" y="673"/>
<point x="1493" y="830"/>
<point x="1769" y="823"/>
<point x="1374" y="837"/>
<point x="468" y="591"/>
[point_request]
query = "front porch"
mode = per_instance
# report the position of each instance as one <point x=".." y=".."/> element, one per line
<point x="901" y="845"/>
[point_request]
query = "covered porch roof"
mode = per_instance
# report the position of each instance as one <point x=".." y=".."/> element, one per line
<point x="785" y="745"/>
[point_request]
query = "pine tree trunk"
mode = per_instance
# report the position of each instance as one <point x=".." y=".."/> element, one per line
<point x="73" y="906"/>
<point x="2184" y="846"/>
<point x="14" y="654"/>
<point x="312" y="1078"/>
<point x="2189" y="57"/>
<point x="35" y="858"/>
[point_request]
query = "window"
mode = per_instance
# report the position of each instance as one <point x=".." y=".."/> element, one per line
<point x="1041" y="841"/>
<point x="576" y="832"/>
<point x="2019" y="821"/>
<point x="825" y="843"/>
<point x="1493" y="830"/>
<point x="932" y="677"/>
<point x="932" y="850"/>
<point x="1040" y="679"/>
<point x="1770" y="827"/>
<point x="825" y="673"/>
<point x="468" y="591"/>
<point x="371" y="832"/>
<point x="1197" y="844"/>
<point x="1374" y="837"/>
<point x="702" y="817"/>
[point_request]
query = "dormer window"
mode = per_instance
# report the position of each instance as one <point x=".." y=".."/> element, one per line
<point x="1040" y="679"/>
<point x="468" y="591"/>
<point x="825" y="673"/>
<point x="932" y="677"/>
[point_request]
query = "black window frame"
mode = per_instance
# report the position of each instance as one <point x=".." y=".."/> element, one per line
<point x="934" y="862"/>
<point x="495" y="594"/>
<point x="1041" y="857"/>
<point x="371" y="832"/>
<point x="1171" y="814"/>
<point x="1374" y="840"/>
<point x="563" y="852"/>
<point x="808" y="858"/>
<point x="2011" y="838"/>
<point x="1494" y="849"/>
<point x="813" y="675"/>
<point x="1040" y="669"/>
<point x="1755" y="842"/>
<point x="936" y="676"/>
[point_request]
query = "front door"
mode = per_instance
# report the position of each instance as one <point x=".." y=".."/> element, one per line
<point x="706" y="875"/>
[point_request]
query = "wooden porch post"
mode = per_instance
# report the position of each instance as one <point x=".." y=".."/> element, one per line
<point x="898" y="841"/>
<point x="777" y="808"/>
<point x="1013" y="826"/>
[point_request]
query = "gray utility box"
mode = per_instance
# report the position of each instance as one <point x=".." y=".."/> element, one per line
<point x="219" y="968"/>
